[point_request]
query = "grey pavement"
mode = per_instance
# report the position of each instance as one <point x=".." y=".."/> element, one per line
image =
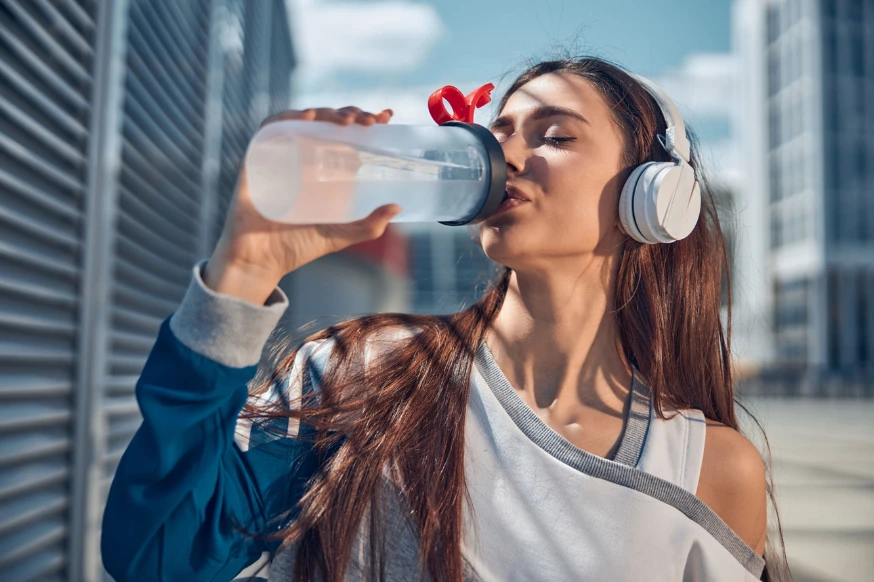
<point x="823" y="463"/>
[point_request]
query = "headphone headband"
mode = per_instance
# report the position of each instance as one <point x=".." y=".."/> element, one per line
<point x="676" y="140"/>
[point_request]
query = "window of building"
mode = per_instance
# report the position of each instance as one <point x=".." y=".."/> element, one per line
<point x="848" y="204"/>
<point x="829" y="8"/>
<point x="422" y="273"/>
<point x="473" y="270"/>
<point x="794" y="9"/>
<point x="773" y="73"/>
<point x="860" y="101"/>
<point x="772" y="126"/>
<point x="801" y="184"/>
<point x="776" y="178"/>
<point x="862" y="219"/>
<point x="861" y="165"/>
<point x="835" y="107"/>
<point x="856" y="10"/>
<point x="832" y="51"/>
<point x="791" y="318"/>
<point x="788" y="175"/>
<point x="833" y="320"/>
<point x="834" y="178"/>
<point x="784" y="117"/>
<point x="787" y="228"/>
<point x="773" y="19"/>
<point x="776" y="231"/>
<point x="799" y="62"/>
<point x="863" y="290"/>
<point x="850" y="106"/>
<point x="857" y="52"/>
<point x="833" y="182"/>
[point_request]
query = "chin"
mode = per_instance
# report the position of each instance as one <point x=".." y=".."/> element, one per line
<point x="506" y="250"/>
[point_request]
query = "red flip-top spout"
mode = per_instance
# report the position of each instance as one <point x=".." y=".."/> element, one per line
<point x="463" y="107"/>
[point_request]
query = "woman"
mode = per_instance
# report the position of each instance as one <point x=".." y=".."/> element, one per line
<point x="576" y="423"/>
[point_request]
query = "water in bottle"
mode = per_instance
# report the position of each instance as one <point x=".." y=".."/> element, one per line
<point x="310" y="172"/>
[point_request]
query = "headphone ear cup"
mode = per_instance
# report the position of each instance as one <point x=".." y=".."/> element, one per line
<point x="678" y="202"/>
<point x="626" y="204"/>
<point x="660" y="202"/>
<point x="653" y="194"/>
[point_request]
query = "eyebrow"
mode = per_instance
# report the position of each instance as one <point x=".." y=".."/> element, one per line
<point x="541" y="112"/>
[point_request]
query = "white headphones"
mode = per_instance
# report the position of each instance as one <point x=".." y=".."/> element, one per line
<point x="661" y="201"/>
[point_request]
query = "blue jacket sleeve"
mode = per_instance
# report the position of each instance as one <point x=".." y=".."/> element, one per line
<point x="186" y="490"/>
<point x="184" y="485"/>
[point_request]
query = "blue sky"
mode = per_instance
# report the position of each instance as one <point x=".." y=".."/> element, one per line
<point x="485" y="38"/>
<point x="394" y="53"/>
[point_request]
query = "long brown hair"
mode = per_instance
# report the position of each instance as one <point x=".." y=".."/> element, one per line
<point x="406" y="416"/>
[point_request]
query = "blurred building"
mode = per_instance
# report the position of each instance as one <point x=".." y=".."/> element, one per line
<point x="449" y="271"/>
<point x="807" y="122"/>
<point x="122" y="126"/>
<point x="369" y="277"/>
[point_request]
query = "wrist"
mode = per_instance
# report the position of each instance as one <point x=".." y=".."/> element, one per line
<point x="251" y="283"/>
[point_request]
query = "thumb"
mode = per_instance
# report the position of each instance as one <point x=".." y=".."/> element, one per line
<point x="369" y="228"/>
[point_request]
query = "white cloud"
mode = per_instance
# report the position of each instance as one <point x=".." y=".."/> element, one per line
<point x="373" y="37"/>
<point x="704" y="86"/>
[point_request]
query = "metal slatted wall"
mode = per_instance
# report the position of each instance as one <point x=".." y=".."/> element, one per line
<point x="236" y="94"/>
<point x="282" y="59"/>
<point x="246" y="89"/>
<point x="118" y="143"/>
<point x="159" y="195"/>
<point x="46" y="59"/>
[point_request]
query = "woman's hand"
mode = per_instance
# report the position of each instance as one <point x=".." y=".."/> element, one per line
<point x="254" y="253"/>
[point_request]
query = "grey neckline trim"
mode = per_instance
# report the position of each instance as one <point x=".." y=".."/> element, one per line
<point x="636" y="424"/>
<point x="620" y="470"/>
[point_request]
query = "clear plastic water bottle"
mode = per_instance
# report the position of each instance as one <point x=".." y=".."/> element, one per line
<point x="311" y="172"/>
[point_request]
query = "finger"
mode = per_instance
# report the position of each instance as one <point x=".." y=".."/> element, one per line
<point x="350" y="114"/>
<point x="371" y="227"/>
<point x="384" y="116"/>
<point x="334" y="116"/>
<point x="378" y="219"/>
<point x="351" y="109"/>
<point x="291" y="114"/>
<point x="366" y="118"/>
<point x="386" y="212"/>
<point x="361" y="117"/>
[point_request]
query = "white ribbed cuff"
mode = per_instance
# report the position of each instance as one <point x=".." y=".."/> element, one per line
<point x="225" y="329"/>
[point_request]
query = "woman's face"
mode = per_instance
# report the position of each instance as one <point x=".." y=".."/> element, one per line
<point x="564" y="155"/>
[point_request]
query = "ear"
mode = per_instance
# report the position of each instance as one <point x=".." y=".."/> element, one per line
<point x="620" y="227"/>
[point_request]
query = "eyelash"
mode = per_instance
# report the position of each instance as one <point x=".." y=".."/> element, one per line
<point x="553" y="141"/>
<point x="558" y="140"/>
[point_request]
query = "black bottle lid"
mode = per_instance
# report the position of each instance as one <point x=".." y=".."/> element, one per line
<point x="496" y="179"/>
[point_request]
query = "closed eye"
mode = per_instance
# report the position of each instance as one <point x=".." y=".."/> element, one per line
<point x="558" y="140"/>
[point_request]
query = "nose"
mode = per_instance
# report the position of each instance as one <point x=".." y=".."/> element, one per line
<point x="514" y="153"/>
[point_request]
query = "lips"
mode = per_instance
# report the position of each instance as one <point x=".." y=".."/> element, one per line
<point x="514" y="194"/>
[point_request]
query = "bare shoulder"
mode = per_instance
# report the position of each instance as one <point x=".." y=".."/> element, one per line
<point x="732" y="483"/>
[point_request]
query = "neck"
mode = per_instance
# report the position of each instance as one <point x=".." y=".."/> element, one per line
<point x="557" y="339"/>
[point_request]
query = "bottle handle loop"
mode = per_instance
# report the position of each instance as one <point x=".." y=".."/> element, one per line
<point x="463" y="107"/>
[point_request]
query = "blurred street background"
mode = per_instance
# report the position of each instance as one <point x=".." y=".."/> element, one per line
<point x="122" y="128"/>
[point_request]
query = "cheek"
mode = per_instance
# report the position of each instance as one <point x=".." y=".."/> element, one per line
<point x="586" y="196"/>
